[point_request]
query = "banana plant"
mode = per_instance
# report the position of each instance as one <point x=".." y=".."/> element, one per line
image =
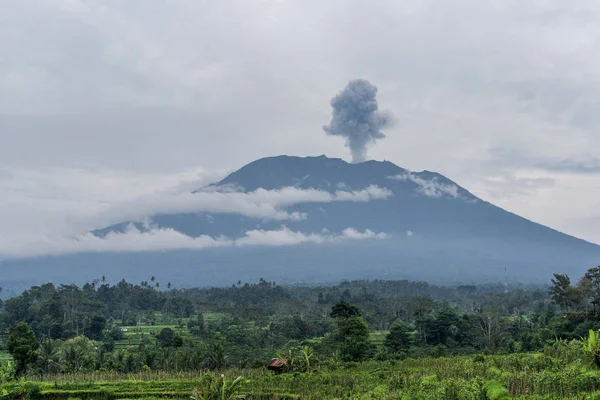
<point x="592" y="346"/>
<point x="219" y="388"/>
<point x="307" y="354"/>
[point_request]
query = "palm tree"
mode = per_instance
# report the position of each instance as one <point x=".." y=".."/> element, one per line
<point x="100" y="357"/>
<point x="215" y="356"/>
<point x="49" y="355"/>
<point x="71" y="356"/>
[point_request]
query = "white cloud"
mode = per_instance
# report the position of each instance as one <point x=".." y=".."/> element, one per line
<point x="64" y="201"/>
<point x="164" y="239"/>
<point x="410" y="233"/>
<point x="291" y="195"/>
<point x="351" y="233"/>
<point x="261" y="203"/>
<point x="44" y="208"/>
<point x="282" y="237"/>
<point x="90" y="198"/>
<point x="429" y="187"/>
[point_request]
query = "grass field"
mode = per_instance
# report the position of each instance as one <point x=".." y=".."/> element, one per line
<point x="518" y="376"/>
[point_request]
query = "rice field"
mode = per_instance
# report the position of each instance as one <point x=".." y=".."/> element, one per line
<point x="517" y="376"/>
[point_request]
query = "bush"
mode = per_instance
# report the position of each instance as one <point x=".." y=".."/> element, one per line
<point x="495" y="391"/>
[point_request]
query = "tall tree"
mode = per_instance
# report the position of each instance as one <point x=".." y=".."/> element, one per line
<point x="491" y="327"/>
<point x="22" y="346"/>
<point x="398" y="340"/>
<point x="560" y="290"/>
<point x="352" y="336"/>
<point x="344" y="310"/>
<point x="593" y="275"/>
<point x="568" y="296"/>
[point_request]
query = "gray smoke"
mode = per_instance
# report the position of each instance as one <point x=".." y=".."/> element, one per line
<point x="356" y="117"/>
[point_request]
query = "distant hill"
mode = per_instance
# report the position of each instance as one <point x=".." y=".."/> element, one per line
<point x="438" y="231"/>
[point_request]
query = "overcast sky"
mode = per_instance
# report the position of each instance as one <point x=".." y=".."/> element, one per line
<point x="104" y="101"/>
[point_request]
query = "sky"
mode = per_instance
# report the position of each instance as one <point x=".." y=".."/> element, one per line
<point x="105" y="102"/>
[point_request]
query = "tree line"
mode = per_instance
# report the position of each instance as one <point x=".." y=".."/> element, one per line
<point x="130" y="327"/>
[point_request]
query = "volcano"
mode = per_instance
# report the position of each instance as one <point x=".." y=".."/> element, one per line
<point x="425" y="227"/>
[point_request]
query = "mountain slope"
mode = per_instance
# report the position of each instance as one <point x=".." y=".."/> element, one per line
<point x="425" y="203"/>
<point x="436" y="230"/>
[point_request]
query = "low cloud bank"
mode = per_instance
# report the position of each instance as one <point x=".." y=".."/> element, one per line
<point x="164" y="239"/>
<point x="261" y="203"/>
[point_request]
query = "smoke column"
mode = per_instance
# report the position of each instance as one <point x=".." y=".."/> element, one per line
<point x="356" y="117"/>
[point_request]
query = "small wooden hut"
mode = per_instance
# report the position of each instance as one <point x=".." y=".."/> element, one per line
<point x="277" y="364"/>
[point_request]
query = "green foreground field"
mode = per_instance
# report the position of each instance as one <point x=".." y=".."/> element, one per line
<point x="522" y="376"/>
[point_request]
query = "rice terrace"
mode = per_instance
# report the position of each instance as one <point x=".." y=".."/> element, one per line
<point x="358" y="340"/>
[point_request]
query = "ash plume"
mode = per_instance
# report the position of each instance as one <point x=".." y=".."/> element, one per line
<point x="356" y="117"/>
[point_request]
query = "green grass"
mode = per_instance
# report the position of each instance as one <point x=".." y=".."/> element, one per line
<point x="517" y="376"/>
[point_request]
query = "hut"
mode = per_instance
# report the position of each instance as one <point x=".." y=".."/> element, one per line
<point x="277" y="364"/>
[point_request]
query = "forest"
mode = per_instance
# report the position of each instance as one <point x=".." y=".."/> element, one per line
<point x="356" y="339"/>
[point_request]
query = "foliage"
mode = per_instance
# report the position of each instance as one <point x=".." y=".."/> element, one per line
<point x="563" y="293"/>
<point x="23" y="346"/>
<point x="519" y="376"/>
<point x="495" y="391"/>
<point x="352" y="338"/>
<point x="219" y="388"/>
<point x="398" y="340"/>
<point x="344" y="310"/>
<point x="591" y="345"/>
<point x="359" y="340"/>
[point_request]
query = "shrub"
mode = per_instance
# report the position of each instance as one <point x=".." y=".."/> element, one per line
<point x="495" y="391"/>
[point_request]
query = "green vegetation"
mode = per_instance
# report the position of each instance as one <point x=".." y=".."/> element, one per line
<point x="355" y="340"/>
<point x="523" y="376"/>
<point x="23" y="347"/>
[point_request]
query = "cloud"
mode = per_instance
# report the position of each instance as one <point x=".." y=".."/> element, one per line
<point x="261" y="203"/>
<point x="64" y="201"/>
<point x="72" y="200"/>
<point x="585" y="164"/>
<point x="429" y="187"/>
<point x="351" y="233"/>
<point x="164" y="239"/>
<point x="48" y="208"/>
<point x="511" y="185"/>
<point x="288" y="196"/>
<point x="571" y="161"/>
<point x="246" y="204"/>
